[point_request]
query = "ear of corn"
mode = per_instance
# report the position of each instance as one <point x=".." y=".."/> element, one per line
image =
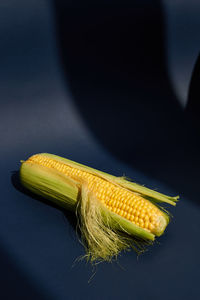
<point x="113" y="211"/>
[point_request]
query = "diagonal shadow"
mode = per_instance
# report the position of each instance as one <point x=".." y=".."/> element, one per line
<point x="114" y="59"/>
<point x="193" y="105"/>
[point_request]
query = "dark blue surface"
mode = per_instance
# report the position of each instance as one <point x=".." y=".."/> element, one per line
<point x="90" y="82"/>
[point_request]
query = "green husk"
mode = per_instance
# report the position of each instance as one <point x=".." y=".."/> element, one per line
<point x="50" y="184"/>
<point x="104" y="233"/>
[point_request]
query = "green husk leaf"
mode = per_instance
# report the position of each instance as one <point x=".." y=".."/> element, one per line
<point x="51" y="185"/>
<point x="151" y="194"/>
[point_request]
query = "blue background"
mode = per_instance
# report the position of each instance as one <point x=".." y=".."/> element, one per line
<point x="113" y="85"/>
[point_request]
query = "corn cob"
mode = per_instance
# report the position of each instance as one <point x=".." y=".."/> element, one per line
<point x="114" y="212"/>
